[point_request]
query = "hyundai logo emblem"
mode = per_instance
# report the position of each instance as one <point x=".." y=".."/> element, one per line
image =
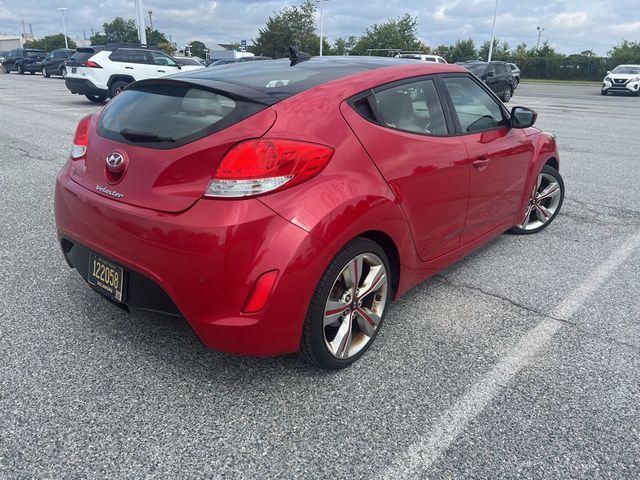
<point x="115" y="162"/>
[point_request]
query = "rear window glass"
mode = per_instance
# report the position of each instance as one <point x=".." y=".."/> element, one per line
<point x="32" y="54"/>
<point x="167" y="114"/>
<point x="82" y="56"/>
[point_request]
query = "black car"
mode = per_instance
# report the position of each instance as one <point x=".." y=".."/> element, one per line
<point x="497" y="76"/>
<point x="54" y="62"/>
<point x="24" y="60"/>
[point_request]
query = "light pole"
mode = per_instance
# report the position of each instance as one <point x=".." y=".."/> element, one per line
<point x="493" y="31"/>
<point x="540" y="30"/>
<point x="321" y="23"/>
<point x="64" y="27"/>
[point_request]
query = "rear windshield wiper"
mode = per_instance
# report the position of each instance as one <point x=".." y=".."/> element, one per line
<point x="135" y="136"/>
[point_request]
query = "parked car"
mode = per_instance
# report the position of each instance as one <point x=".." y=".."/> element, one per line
<point x="622" y="79"/>
<point x="191" y="61"/>
<point x="24" y="60"/>
<point x="497" y="76"/>
<point x="54" y="62"/>
<point x="228" y="61"/>
<point x="101" y="72"/>
<point x="199" y="195"/>
<point x="3" y="54"/>
<point x="515" y="71"/>
<point x="422" y="57"/>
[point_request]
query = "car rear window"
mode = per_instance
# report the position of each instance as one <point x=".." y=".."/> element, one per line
<point x="82" y="55"/>
<point x="34" y="54"/>
<point x="167" y="114"/>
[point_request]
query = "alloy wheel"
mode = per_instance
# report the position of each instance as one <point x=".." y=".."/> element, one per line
<point x="355" y="306"/>
<point x="544" y="202"/>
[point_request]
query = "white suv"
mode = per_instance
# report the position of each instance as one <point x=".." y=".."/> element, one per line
<point x="422" y="57"/>
<point x="623" y="78"/>
<point x="103" y="72"/>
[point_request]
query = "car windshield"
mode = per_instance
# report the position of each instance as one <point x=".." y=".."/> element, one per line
<point x="629" y="70"/>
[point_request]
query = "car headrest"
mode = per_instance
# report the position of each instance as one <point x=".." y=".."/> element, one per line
<point x="396" y="108"/>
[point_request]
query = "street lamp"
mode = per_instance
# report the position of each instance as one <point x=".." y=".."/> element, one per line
<point x="64" y="27"/>
<point x="493" y="31"/>
<point x="540" y="30"/>
<point x="321" y="25"/>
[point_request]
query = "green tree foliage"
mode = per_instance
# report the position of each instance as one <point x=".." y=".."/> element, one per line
<point x="461" y="51"/>
<point x="625" y="52"/>
<point x="50" y="42"/>
<point x="400" y="33"/>
<point x="343" y="46"/>
<point x="120" y="30"/>
<point x="501" y="51"/>
<point x="291" y="26"/>
<point x="198" y="49"/>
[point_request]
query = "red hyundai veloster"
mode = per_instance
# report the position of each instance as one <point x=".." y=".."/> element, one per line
<point x="281" y="207"/>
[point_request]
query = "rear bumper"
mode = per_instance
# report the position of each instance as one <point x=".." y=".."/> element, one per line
<point x="82" y="86"/>
<point x="201" y="263"/>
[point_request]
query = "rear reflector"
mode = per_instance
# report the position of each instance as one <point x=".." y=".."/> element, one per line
<point x="81" y="138"/>
<point x="261" y="291"/>
<point x="258" y="166"/>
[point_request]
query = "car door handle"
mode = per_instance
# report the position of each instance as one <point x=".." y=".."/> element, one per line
<point x="162" y="71"/>
<point x="129" y="68"/>
<point x="480" y="163"/>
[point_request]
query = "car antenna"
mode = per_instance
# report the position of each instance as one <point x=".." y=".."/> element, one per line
<point x="296" y="56"/>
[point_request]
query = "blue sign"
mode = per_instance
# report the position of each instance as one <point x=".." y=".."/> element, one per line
<point x="243" y="45"/>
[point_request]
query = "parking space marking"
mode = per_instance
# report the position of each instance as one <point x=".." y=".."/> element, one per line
<point x="422" y="454"/>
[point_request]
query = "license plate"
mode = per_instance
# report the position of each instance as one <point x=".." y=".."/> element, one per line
<point x="74" y="69"/>
<point x="106" y="276"/>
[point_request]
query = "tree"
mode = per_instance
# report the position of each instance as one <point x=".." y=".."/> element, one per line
<point x="344" y="46"/>
<point x="50" y="42"/>
<point x="400" y="33"/>
<point x="625" y="52"/>
<point x="120" y="30"/>
<point x="291" y="26"/>
<point x="198" y="49"/>
<point x="500" y="51"/>
<point x="462" y="50"/>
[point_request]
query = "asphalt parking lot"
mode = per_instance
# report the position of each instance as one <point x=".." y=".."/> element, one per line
<point x="521" y="361"/>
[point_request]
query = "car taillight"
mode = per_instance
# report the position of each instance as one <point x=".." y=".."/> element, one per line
<point x="81" y="139"/>
<point x="90" y="64"/>
<point x="258" y="166"/>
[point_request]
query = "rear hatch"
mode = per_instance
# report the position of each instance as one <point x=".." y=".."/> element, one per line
<point x="80" y="57"/>
<point x="172" y="135"/>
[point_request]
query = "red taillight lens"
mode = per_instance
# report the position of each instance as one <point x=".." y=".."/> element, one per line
<point x="261" y="291"/>
<point x="258" y="166"/>
<point x="81" y="139"/>
<point x="90" y="64"/>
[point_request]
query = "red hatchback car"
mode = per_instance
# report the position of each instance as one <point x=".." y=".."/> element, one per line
<point x="281" y="207"/>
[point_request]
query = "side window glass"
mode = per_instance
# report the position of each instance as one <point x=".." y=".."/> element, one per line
<point x="136" y="56"/>
<point x="117" y="56"/>
<point x="491" y="70"/>
<point x="413" y="107"/>
<point x="475" y="108"/>
<point x="164" y="60"/>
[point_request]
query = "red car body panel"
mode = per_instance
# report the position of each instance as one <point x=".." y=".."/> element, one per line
<point x="414" y="192"/>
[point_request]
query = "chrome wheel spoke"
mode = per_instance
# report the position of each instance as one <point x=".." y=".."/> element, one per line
<point x="368" y="321"/>
<point x="552" y="190"/>
<point x="543" y="213"/>
<point x="342" y="340"/>
<point x="353" y="272"/>
<point x="527" y="215"/>
<point x="373" y="281"/>
<point x="333" y="311"/>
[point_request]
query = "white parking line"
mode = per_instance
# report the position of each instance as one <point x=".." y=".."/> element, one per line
<point x="422" y="454"/>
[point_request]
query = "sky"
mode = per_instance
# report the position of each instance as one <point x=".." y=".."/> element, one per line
<point x="570" y="26"/>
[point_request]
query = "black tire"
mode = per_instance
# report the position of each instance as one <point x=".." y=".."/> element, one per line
<point x="507" y="94"/>
<point x="554" y="173"/>
<point x="20" y="70"/>
<point x="45" y="72"/>
<point x="312" y="344"/>
<point x="117" y="87"/>
<point x="96" y="98"/>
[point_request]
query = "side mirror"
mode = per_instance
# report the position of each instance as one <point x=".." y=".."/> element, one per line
<point x="522" y="117"/>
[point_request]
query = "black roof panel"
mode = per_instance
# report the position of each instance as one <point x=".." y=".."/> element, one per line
<point x="278" y="79"/>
